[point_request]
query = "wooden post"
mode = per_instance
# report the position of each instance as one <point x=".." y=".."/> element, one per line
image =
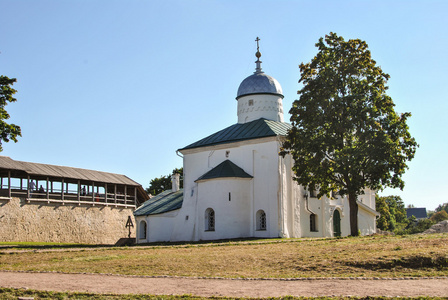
<point x="48" y="192"/>
<point x="62" y="189"/>
<point x="105" y="192"/>
<point x="9" y="184"/>
<point x="79" y="190"/>
<point x="125" y="194"/>
<point x="51" y="183"/>
<point x="115" y="193"/>
<point x="28" y="186"/>
<point x="135" y="196"/>
<point x="21" y="183"/>
<point x="93" y="191"/>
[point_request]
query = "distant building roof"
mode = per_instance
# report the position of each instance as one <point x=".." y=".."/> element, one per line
<point x="418" y="212"/>
<point x="225" y="169"/>
<point x="239" y="132"/>
<point x="161" y="203"/>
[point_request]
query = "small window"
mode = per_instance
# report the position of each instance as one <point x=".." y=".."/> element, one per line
<point x="209" y="220"/>
<point x="143" y="234"/>
<point x="313" y="193"/>
<point x="261" y="220"/>
<point x="251" y="102"/>
<point x="313" y="225"/>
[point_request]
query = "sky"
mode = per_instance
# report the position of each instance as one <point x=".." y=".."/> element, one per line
<point x="119" y="86"/>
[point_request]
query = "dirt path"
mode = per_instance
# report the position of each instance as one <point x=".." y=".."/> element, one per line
<point x="223" y="287"/>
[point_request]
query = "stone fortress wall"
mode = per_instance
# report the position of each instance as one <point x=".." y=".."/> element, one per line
<point x="23" y="221"/>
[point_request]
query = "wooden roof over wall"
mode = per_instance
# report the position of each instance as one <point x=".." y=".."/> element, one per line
<point x="36" y="170"/>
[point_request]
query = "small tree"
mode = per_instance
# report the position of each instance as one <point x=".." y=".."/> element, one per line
<point x="345" y="134"/>
<point x="439" y="216"/>
<point x="163" y="183"/>
<point x="392" y="213"/>
<point x="441" y="207"/>
<point x="7" y="131"/>
<point x="383" y="209"/>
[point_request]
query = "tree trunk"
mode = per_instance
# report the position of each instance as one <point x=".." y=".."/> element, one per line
<point x="353" y="214"/>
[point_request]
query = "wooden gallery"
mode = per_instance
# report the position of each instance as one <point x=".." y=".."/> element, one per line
<point x="47" y="203"/>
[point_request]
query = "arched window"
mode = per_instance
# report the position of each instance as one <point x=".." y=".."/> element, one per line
<point x="143" y="232"/>
<point x="313" y="223"/>
<point x="261" y="220"/>
<point x="209" y="219"/>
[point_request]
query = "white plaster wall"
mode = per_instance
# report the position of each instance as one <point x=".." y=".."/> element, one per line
<point x="366" y="222"/>
<point x="138" y="221"/>
<point x="264" y="106"/>
<point x="368" y="198"/>
<point x="266" y="189"/>
<point x="316" y="206"/>
<point x="159" y="227"/>
<point x="232" y="218"/>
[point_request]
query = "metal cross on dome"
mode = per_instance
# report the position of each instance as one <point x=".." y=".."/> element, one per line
<point x="258" y="46"/>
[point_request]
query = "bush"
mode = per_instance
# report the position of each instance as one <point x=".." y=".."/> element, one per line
<point x="416" y="226"/>
<point x="439" y="216"/>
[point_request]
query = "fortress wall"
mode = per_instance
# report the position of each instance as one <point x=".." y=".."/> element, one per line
<point x="21" y="221"/>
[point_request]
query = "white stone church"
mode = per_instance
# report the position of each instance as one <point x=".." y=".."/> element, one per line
<point x="236" y="185"/>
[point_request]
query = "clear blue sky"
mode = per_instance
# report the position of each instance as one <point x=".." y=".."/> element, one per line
<point x="119" y="86"/>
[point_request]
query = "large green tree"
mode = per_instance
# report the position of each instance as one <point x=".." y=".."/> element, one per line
<point x="7" y="131"/>
<point x="345" y="134"/>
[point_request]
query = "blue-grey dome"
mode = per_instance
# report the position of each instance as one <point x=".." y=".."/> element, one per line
<point x="259" y="83"/>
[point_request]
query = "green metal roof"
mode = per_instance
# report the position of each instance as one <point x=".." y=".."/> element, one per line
<point x="225" y="169"/>
<point x="162" y="203"/>
<point x="259" y="128"/>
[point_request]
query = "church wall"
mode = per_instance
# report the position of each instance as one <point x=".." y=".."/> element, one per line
<point x="21" y="221"/>
<point x="366" y="223"/>
<point x="267" y="186"/>
<point x="230" y="200"/>
<point x="315" y="205"/>
<point x="158" y="227"/>
<point x="368" y="198"/>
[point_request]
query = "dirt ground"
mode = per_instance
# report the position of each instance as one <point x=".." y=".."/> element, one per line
<point x="97" y="283"/>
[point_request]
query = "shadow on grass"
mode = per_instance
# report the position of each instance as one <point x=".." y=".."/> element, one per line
<point x="411" y="262"/>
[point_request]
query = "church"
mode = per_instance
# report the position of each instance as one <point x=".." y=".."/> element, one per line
<point x="236" y="185"/>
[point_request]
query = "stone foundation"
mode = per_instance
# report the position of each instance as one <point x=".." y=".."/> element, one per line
<point x="23" y="221"/>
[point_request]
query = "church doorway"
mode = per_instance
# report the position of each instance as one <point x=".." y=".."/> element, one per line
<point x="337" y="223"/>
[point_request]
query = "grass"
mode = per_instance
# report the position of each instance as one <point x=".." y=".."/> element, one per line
<point x="373" y="256"/>
<point x="10" y="294"/>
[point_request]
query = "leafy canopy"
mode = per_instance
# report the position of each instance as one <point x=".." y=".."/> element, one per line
<point x="163" y="183"/>
<point x="345" y="134"/>
<point x="7" y="131"/>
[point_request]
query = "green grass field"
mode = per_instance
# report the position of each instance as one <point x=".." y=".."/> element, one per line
<point x="373" y="256"/>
